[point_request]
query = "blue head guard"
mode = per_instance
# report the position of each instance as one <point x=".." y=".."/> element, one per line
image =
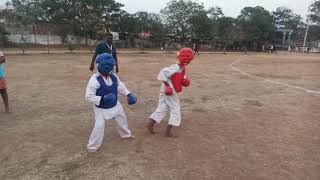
<point x="106" y="63"/>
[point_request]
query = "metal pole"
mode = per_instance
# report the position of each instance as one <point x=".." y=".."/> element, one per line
<point x="289" y="40"/>
<point x="305" y="37"/>
<point x="283" y="38"/>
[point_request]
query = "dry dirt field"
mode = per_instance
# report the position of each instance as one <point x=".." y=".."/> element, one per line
<point x="235" y="126"/>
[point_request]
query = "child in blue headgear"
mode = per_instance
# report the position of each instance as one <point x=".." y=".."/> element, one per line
<point x="102" y="91"/>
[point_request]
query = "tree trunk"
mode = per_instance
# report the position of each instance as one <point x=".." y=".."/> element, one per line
<point x="23" y="44"/>
<point x="35" y="33"/>
<point x="48" y="41"/>
<point x="225" y="45"/>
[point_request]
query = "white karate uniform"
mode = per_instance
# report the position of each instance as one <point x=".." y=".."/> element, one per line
<point x="168" y="104"/>
<point x="101" y="115"/>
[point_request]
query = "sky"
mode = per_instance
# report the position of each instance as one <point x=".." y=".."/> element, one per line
<point x="230" y="7"/>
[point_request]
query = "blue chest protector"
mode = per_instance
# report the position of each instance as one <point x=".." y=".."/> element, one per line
<point x="105" y="89"/>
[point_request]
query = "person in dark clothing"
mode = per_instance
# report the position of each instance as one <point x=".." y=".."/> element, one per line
<point x="274" y="48"/>
<point x="196" y="48"/>
<point x="105" y="46"/>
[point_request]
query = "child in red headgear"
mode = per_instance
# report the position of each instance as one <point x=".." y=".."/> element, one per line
<point x="173" y="79"/>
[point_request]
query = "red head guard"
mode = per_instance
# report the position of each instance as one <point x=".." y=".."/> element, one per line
<point x="185" y="55"/>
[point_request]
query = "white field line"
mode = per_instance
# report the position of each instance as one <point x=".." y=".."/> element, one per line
<point x="271" y="81"/>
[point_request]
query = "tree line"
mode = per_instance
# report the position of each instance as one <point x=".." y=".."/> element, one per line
<point x="182" y="19"/>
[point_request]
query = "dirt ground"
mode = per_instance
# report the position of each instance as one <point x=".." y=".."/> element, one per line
<point x="235" y="126"/>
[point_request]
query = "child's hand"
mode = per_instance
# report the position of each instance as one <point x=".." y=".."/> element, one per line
<point x="169" y="90"/>
<point x="186" y="82"/>
<point x="109" y="98"/>
<point x="117" y="69"/>
<point x="132" y="99"/>
<point x="91" y="67"/>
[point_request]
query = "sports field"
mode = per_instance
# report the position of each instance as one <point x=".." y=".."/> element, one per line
<point x="245" y="117"/>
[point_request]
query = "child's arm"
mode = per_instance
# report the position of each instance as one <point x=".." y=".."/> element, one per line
<point x="96" y="53"/>
<point x="115" y="58"/>
<point x="92" y="61"/>
<point x="165" y="76"/>
<point x="91" y="90"/>
<point x="166" y="73"/>
<point x="165" y="83"/>
<point x="2" y="58"/>
<point x="168" y="89"/>
<point x="122" y="89"/>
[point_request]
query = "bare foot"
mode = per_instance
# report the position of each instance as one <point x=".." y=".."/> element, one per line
<point x="170" y="135"/>
<point x="169" y="132"/>
<point x="6" y="109"/>
<point x="150" y="128"/>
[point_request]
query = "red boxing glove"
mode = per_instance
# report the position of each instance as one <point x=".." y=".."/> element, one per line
<point x="169" y="91"/>
<point x="186" y="82"/>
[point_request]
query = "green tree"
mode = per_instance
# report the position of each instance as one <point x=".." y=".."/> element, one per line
<point x="3" y="36"/>
<point x="287" y="19"/>
<point x="314" y="16"/>
<point x="89" y="18"/>
<point x="20" y="14"/>
<point x="177" y="15"/>
<point x="315" y="11"/>
<point x="142" y="22"/>
<point x="3" y="32"/>
<point x="314" y="33"/>
<point x="148" y="22"/>
<point x="256" y="25"/>
<point x="284" y="17"/>
<point x="215" y="13"/>
<point x="201" y="25"/>
<point x="156" y="27"/>
<point x="226" y="30"/>
<point x="142" y="19"/>
<point x="128" y="23"/>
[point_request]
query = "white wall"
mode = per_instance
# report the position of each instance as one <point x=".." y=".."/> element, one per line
<point x="36" y="39"/>
<point x="43" y="39"/>
<point x="115" y="35"/>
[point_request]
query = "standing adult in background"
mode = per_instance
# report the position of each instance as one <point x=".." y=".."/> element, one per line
<point x="244" y="48"/>
<point x="3" y="84"/>
<point x="274" y="48"/>
<point x="105" y="46"/>
<point x="196" y="47"/>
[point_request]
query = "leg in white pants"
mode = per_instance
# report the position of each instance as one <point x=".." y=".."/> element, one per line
<point x="97" y="133"/>
<point x="175" y="114"/>
<point x="122" y="125"/>
<point x="96" y="137"/>
<point x="161" y="111"/>
<point x="168" y="104"/>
